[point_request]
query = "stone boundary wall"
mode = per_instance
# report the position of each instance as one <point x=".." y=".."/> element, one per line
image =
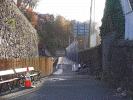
<point x="106" y="42"/>
<point x="120" y="63"/>
<point x="17" y="36"/>
<point x="93" y="58"/>
<point x="120" y="70"/>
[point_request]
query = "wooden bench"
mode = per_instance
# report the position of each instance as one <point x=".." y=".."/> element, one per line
<point x="5" y="77"/>
<point x="20" y="72"/>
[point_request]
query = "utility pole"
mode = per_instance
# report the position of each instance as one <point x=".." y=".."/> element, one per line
<point x="69" y="39"/>
<point x="69" y="36"/>
<point x="94" y="19"/>
<point x="90" y="25"/>
<point x="84" y="37"/>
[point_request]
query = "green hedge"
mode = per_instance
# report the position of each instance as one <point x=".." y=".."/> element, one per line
<point x="113" y="15"/>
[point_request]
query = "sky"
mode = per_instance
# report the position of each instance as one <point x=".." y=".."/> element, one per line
<point x="72" y="9"/>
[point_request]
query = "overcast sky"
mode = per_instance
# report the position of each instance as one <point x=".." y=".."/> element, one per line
<point x="71" y="9"/>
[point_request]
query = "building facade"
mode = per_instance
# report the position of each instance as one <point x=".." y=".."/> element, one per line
<point x="127" y="6"/>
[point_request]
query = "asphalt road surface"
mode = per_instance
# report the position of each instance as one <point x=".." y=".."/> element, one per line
<point x="66" y="85"/>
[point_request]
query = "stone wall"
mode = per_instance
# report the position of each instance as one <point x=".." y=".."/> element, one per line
<point x="106" y="42"/>
<point x="120" y="69"/>
<point x="17" y="36"/>
<point x="92" y="58"/>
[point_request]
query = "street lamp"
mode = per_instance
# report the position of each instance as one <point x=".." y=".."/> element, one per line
<point x="90" y="25"/>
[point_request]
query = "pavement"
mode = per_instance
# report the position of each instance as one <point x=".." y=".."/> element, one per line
<point x="66" y="85"/>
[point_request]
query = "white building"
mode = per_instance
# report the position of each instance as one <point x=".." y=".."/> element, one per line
<point x="15" y="1"/>
<point x="93" y="40"/>
<point x="127" y="6"/>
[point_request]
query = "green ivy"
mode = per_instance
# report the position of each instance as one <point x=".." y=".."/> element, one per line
<point x="11" y="21"/>
<point x="113" y="10"/>
<point x="11" y="24"/>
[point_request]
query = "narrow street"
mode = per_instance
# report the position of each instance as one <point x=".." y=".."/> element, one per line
<point x="98" y="34"/>
<point x="66" y="85"/>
